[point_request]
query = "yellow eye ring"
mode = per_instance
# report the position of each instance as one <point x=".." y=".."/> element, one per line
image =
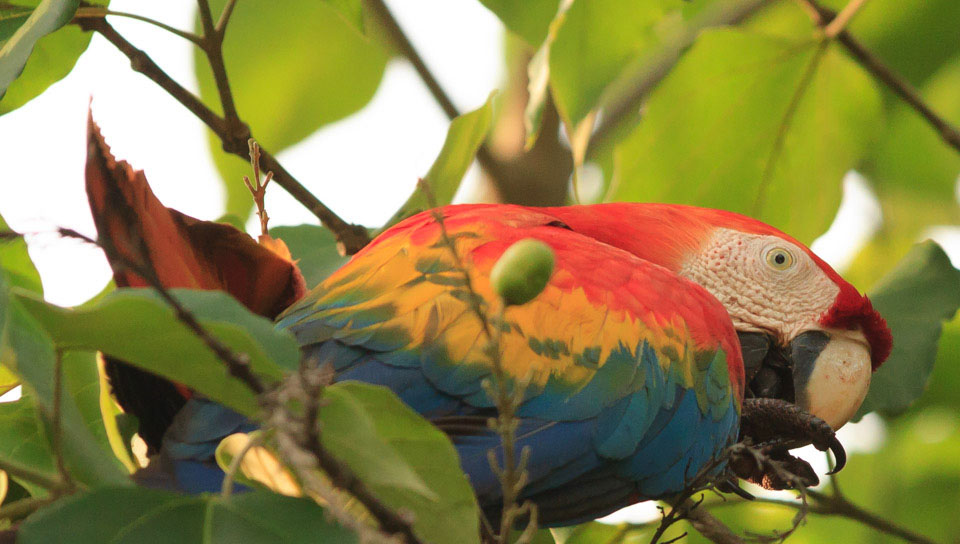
<point x="779" y="258"/>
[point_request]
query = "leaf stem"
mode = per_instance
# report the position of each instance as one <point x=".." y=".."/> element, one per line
<point x="30" y="475"/>
<point x="100" y="13"/>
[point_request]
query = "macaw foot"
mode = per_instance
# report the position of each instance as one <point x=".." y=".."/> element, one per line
<point x="773" y="426"/>
<point x="769" y="468"/>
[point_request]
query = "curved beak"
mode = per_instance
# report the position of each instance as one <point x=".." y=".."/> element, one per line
<point x="826" y="372"/>
<point x="831" y="373"/>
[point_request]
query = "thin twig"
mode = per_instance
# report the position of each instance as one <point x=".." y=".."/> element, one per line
<point x="901" y="87"/>
<point x="100" y="13"/>
<point x="258" y="190"/>
<point x="512" y="475"/>
<point x="494" y="168"/>
<point x="221" y="26"/>
<point x="351" y="237"/>
<point x="212" y="46"/>
<point x="237" y="364"/>
<point x="226" y="489"/>
<point x="843" y="18"/>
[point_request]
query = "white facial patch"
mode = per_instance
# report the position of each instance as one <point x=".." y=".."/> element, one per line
<point x="766" y="283"/>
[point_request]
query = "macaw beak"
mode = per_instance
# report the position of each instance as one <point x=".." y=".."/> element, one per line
<point x="826" y="372"/>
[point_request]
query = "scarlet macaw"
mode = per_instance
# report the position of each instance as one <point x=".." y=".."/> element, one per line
<point x="637" y="374"/>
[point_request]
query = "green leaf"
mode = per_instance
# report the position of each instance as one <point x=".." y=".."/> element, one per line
<point x="915" y="298"/>
<point x="465" y="135"/>
<point x="452" y="516"/>
<point x="313" y="248"/>
<point x="292" y="70"/>
<point x="528" y="19"/>
<point x="136" y="326"/>
<point x="31" y="58"/>
<point x="27" y="350"/>
<point x="24" y="441"/>
<point x="595" y="42"/>
<point x="753" y="124"/>
<point x="141" y="516"/>
<point x="15" y="263"/>
<point x="910" y="154"/>
<point x="349" y="432"/>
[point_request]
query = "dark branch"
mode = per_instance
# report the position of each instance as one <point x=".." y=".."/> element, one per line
<point x="900" y="86"/>
<point x="351" y="237"/>
<point x="493" y="167"/>
<point x="237" y="364"/>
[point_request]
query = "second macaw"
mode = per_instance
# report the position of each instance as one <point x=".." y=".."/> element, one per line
<point x="636" y="371"/>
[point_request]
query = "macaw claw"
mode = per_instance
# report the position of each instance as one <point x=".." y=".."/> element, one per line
<point x="782" y="425"/>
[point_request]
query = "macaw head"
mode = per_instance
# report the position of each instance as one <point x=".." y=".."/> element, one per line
<point x="807" y="335"/>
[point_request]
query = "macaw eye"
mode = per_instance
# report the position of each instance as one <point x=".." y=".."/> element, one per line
<point x="779" y="258"/>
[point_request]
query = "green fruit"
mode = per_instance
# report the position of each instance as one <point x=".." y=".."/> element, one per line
<point x="522" y="271"/>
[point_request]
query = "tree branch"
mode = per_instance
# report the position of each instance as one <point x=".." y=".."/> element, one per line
<point x="822" y="17"/>
<point x="493" y="167"/>
<point x="711" y="528"/>
<point x="237" y="364"/>
<point x="212" y="46"/>
<point x="351" y="237"/>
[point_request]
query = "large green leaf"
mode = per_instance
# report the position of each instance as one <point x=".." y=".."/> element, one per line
<point x="27" y="349"/>
<point x="465" y="135"/>
<point x="314" y="248"/>
<point x="292" y="70"/>
<point x="910" y="154"/>
<point x="15" y="263"/>
<point x="448" y="513"/>
<point x="31" y="59"/>
<point x="136" y="326"/>
<point x="753" y="124"/>
<point x="142" y="516"/>
<point x="24" y="441"/>
<point x="528" y="19"/>
<point x="595" y="42"/>
<point x="915" y="298"/>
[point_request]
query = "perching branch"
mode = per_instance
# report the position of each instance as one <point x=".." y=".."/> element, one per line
<point x="298" y="442"/>
<point x="823" y="17"/>
<point x="234" y="137"/>
<point x="838" y="505"/>
<point x="237" y="363"/>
